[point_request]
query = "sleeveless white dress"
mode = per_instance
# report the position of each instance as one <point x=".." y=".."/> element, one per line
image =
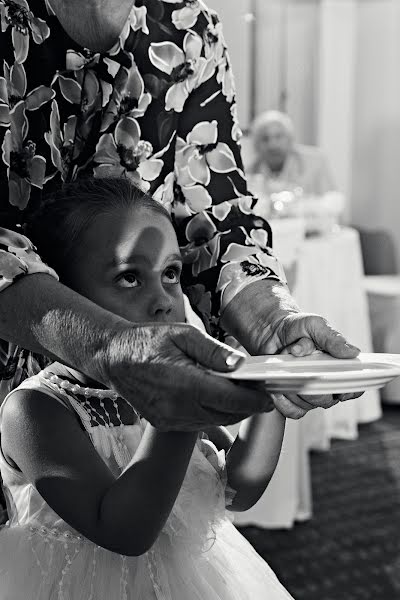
<point x="199" y="554"/>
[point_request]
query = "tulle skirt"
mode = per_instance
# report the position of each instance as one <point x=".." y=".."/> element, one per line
<point x="43" y="564"/>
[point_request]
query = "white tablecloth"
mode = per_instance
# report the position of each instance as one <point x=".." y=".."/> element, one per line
<point x="329" y="281"/>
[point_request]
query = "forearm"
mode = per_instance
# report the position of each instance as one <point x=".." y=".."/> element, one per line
<point x="42" y="315"/>
<point x="276" y="301"/>
<point x="136" y="507"/>
<point x="103" y="22"/>
<point x="252" y="460"/>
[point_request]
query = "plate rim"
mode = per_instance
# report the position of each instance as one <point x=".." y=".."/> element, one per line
<point x="390" y="370"/>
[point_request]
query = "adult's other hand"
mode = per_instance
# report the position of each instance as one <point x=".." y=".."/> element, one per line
<point x="265" y="320"/>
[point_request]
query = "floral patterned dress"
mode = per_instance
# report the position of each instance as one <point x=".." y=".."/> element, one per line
<point x="158" y="107"/>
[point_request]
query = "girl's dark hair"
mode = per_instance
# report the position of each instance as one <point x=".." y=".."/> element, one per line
<point x="57" y="226"/>
<point x="55" y="229"/>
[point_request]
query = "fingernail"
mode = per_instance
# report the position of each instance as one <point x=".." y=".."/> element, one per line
<point x="233" y="359"/>
<point x="352" y="347"/>
<point x="296" y="349"/>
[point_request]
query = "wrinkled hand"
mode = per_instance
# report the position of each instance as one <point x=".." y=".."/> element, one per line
<point x="268" y="322"/>
<point x="301" y="334"/>
<point x="160" y="370"/>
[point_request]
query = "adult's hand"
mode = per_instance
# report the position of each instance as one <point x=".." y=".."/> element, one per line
<point x="265" y="320"/>
<point x="160" y="369"/>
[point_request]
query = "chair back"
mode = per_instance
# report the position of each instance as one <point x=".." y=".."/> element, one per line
<point x="378" y="252"/>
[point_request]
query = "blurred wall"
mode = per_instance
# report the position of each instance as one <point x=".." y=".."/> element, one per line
<point x="376" y="154"/>
<point x="339" y="63"/>
<point x="234" y="15"/>
<point x="288" y="61"/>
<point x="336" y="86"/>
<point x="286" y="57"/>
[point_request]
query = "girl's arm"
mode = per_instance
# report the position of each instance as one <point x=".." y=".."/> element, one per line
<point x="123" y="514"/>
<point x="252" y="458"/>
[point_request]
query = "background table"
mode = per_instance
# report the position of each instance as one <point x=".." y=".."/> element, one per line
<point x="329" y="282"/>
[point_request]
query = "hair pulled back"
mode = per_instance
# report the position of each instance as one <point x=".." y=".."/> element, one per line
<point x="63" y="217"/>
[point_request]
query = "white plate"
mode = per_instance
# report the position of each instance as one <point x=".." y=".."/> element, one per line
<point x="319" y="373"/>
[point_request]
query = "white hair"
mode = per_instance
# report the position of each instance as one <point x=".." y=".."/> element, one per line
<point x="272" y="116"/>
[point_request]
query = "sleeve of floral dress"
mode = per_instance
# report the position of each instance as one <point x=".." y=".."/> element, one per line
<point x="21" y="166"/>
<point x="224" y="244"/>
<point x="18" y="258"/>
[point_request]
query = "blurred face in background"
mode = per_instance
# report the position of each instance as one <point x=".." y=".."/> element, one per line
<point x="273" y="143"/>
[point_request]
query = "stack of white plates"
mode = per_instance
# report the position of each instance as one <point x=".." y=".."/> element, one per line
<point x="319" y="373"/>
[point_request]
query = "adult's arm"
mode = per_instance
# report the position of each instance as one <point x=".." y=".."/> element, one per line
<point x="155" y="367"/>
<point x="224" y="245"/>
<point x="99" y="22"/>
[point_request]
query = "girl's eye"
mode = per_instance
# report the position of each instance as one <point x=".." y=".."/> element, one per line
<point x="172" y="275"/>
<point x="128" y="280"/>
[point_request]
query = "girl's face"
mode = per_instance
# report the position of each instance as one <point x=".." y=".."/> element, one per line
<point x="129" y="263"/>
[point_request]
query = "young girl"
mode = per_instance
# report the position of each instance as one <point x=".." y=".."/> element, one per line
<point x="102" y="506"/>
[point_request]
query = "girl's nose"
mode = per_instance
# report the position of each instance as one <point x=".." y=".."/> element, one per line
<point x="160" y="305"/>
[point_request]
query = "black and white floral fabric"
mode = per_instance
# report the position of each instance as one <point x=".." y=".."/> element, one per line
<point x="159" y="108"/>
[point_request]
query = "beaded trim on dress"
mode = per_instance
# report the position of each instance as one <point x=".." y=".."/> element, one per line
<point x="74" y="388"/>
<point x="111" y="440"/>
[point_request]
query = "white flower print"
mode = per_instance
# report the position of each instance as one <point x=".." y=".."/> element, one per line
<point x="186" y="17"/>
<point x="187" y="68"/>
<point x="61" y="142"/>
<point x="236" y="131"/>
<point x="11" y="268"/>
<point x="13" y="88"/>
<point x="24" y="167"/>
<point x="221" y="211"/>
<point x="136" y="21"/>
<point x="124" y="153"/>
<point x="128" y="98"/>
<point x="16" y="13"/>
<point x="201" y="153"/>
<point x="164" y="194"/>
<point x="256" y="244"/>
<point x="215" y="50"/>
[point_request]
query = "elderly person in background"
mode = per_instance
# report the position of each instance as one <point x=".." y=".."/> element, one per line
<point x="285" y="164"/>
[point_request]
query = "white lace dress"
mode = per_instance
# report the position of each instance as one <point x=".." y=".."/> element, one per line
<point x="199" y="554"/>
